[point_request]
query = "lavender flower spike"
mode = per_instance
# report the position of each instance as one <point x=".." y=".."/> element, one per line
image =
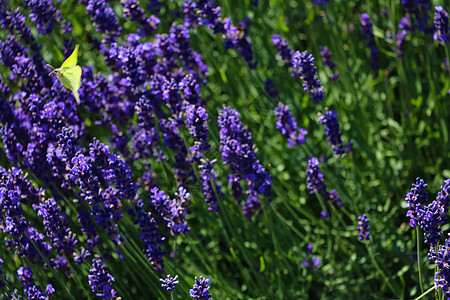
<point x="442" y="276"/>
<point x="441" y="24"/>
<point x="100" y="280"/>
<point x="363" y="227"/>
<point x="200" y="290"/>
<point x="287" y="125"/>
<point x="332" y="131"/>
<point x="367" y="32"/>
<point x="304" y="62"/>
<point x="416" y="199"/>
<point x="169" y="283"/>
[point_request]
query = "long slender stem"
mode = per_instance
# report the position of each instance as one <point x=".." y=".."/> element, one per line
<point x="418" y="259"/>
<point x="424" y="294"/>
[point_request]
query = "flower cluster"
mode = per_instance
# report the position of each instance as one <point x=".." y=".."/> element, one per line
<point x="304" y="63"/>
<point x="149" y="236"/>
<point x="415" y="201"/>
<point x="205" y="12"/>
<point x="309" y="261"/>
<point x="283" y="49"/>
<point x="287" y="125"/>
<point x="44" y="14"/>
<point x="363" y="227"/>
<point x="270" y="88"/>
<point x="332" y="132"/>
<point x="31" y="290"/>
<point x="172" y="210"/>
<point x="442" y="276"/>
<point x="104" y="19"/>
<point x="200" y="290"/>
<point x="147" y="25"/>
<point x="429" y="217"/>
<point x="400" y="38"/>
<point x="419" y="10"/>
<point x="441" y="24"/>
<point x="169" y="283"/>
<point x="239" y="153"/>
<point x="100" y="280"/>
<point x="197" y="120"/>
<point x="326" y="60"/>
<point x="56" y="226"/>
<point x="316" y="184"/>
<point x="211" y="188"/>
<point x="367" y="32"/>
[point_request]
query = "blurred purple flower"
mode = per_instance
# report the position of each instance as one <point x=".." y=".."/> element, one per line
<point x="363" y="227"/>
<point x="287" y="125"/>
<point x="440" y="24"/>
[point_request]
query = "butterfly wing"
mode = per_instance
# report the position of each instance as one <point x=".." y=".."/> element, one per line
<point x="70" y="77"/>
<point x="72" y="60"/>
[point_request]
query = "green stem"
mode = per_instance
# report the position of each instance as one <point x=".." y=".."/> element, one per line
<point x="418" y="259"/>
<point x="424" y="294"/>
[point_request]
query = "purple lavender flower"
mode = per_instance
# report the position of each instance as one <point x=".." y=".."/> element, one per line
<point x="197" y="123"/>
<point x="2" y="276"/>
<point x="363" y="227"/>
<point x="44" y="14"/>
<point x="442" y="276"/>
<point x="419" y="9"/>
<point x="200" y="290"/>
<point x="150" y="237"/>
<point x="283" y="49"/>
<point x="169" y="283"/>
<point x="440" y="24"/>
<point x="367" y="32"/>
<point x="66" y="27"/>
<point x="239" y="153"/>
<point x="172" y="210"/>
<point x="104" y="18"/>
<point x="326" y="60"/>
<point x="147" y="25"/>
<point x="316" y="184"/>
<point x="415" y="200"/>
<point x="203" y="12"/>
<point x="304" y="62"/>
<point x="57" y="226"/>
<point x="100" y="280"/>
<point x="15" y="190"/>
<point x="208" y="177"/>
<point x="314" y="260"/>
<point x="31" y="290"/>
<point x="400" y="39"/>
<point x="172" y="139"/>
<point x="433" y="216"/>
<point x="287" y="125"/>
<point x="332" y="131"/>
<point x="405" y="23"/>
<point x="237" y="38"/>
<point x="320" y="2"/>
<point x="270" y="88"/>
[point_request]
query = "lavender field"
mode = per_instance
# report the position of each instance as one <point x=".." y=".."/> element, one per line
<point x="234" y="149"/>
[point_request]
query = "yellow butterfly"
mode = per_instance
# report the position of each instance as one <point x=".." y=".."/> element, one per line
<point x="70" y="74"/>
